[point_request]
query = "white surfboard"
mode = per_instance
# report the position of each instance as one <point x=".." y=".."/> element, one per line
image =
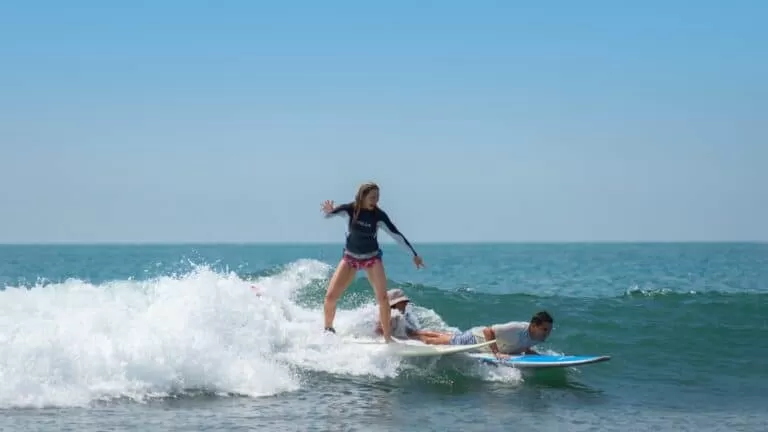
<point x="411" y="348"/>
<point x="414" y="348"/>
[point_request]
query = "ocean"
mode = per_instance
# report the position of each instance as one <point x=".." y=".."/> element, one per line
<point x="175" y="338"/>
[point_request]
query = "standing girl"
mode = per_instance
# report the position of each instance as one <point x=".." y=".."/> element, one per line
<point x="362" y="252"/>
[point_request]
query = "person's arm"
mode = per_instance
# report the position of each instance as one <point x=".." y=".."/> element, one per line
<point x="429" y="333"/>
<point x="340" y="210"/>
<point x="507" y="331"/>
<point x="386" y="224"/>
<point x="489" y="334"/>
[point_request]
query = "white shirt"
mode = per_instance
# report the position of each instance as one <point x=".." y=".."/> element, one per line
<point x="401" y="323"/>
<point x="511" y="337"/>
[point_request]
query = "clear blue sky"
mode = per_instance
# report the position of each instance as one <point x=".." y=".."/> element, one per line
<point x="504" y="121"/>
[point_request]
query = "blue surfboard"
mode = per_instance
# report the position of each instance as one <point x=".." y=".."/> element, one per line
<point x="540" y="361"/>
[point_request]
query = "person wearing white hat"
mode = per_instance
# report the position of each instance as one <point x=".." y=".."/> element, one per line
<point x="403" y="322"/>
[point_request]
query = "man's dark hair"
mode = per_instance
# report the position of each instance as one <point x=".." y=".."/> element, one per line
<point x="541" y="318"/>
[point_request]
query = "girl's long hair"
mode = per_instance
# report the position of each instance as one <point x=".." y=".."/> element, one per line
<point x="362" y="192"/>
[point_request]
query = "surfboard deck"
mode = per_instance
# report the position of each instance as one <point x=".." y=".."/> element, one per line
<point x="408" y="348"/>
<point x="541" y="361"/>
<point x="414" y="348"/>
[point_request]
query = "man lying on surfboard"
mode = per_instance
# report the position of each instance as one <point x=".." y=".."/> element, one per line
<point x="512" y="338"/>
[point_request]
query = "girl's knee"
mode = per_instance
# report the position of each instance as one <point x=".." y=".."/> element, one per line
<point x="381" y="296"/>
<point x="332" y="296"/>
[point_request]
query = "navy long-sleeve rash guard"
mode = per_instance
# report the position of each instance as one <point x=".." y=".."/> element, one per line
<point x="361" y="238"/>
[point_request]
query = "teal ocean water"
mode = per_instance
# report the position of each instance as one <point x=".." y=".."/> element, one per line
<point x="159" y="338"/>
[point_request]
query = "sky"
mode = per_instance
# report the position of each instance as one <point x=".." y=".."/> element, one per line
<point x="504" y="121"/>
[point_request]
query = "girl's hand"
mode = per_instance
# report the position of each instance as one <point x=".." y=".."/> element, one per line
<point x="327" y="206"/>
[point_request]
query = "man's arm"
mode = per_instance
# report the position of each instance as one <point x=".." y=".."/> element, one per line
<point x="489" y="334"/>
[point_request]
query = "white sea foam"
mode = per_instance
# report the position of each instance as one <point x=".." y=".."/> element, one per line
<point x="73" y="343"/>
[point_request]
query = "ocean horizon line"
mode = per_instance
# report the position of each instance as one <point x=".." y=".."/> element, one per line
<point x="383" y="243"/>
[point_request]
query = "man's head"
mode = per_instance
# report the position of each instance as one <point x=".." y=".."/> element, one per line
<point x="540" y="326"/>
<point x="397" y="299"/>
